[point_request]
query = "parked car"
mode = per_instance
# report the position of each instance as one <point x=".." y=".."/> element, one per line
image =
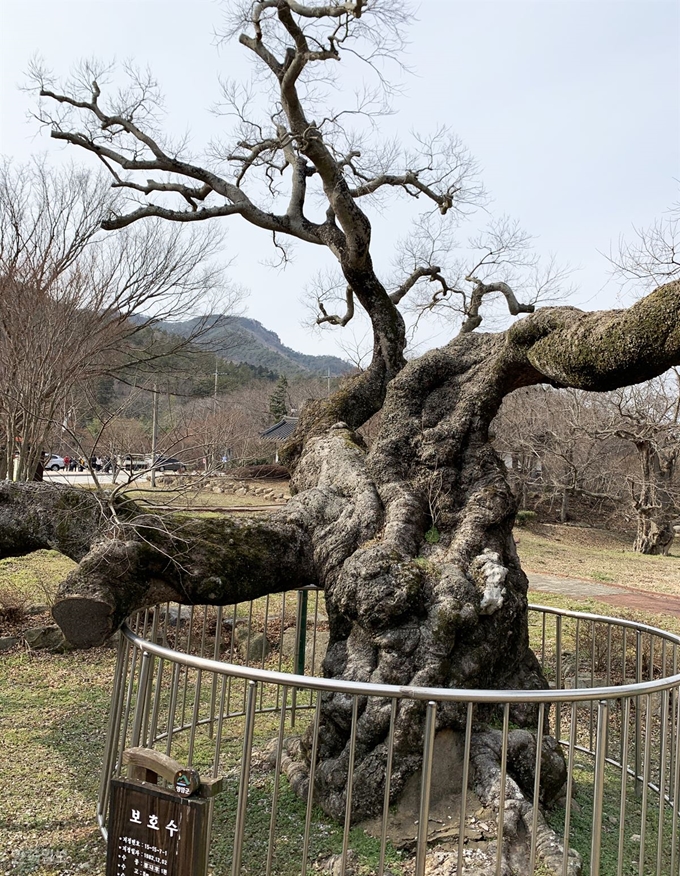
<point x="167" y="463"/>
<point x="54" y="462"/>
<point x="133" y="462"/>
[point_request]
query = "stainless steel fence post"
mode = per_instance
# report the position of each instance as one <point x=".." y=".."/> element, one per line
<point x="216" y="655"/>
<point x="638" y="738"/>
<point x="673" y="700"/>
<point x="275" y="794"/>
<point x="537" y="786"/>
<point x="625" y="733"/>
<point x="129" y="683"/>
<point x="216" y="755"/>
<point x="153" y="728"/>
<point x="142" y="696"/>
<point x="570" y="783"/>
<point x="350" y="783"/>
<point x="310" y="789"/>
<point x="388" y="781"/>
<point x="558" y="672"/>
<point x="662" y="780"/>
<point x="675" y="777"/>
<point x="464" y="784"/>
<point x="172" y="708"/>
<point x="646" y="768"/>
<point x="244" y="778"/>
<point x="113" y="728"/>
<point x="598" y="790"/>
<point x="425" y="786"/>
<point x="147" y="704"/>
<point x="501" y="794"/>
<point x="195" y="716"/>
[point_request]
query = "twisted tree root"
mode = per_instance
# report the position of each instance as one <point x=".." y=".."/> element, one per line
<point x="518" y="817"/>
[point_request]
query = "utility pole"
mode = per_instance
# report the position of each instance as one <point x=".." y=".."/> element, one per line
<point x="154" y="434"/>
<point x="328" y="378"/>
<point x="215" y="392"/>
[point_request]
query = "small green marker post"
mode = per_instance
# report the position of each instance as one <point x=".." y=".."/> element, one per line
<point x="302" y="632"/>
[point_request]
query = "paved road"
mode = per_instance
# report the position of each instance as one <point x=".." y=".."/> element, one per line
<point x="84" y="478"/>
<point x="613" y="594"/>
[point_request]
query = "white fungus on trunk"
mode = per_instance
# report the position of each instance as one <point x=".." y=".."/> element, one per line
<point x="494" y="574"/>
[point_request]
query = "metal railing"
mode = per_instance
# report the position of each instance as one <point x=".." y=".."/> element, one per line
<point x="215" y="688"/>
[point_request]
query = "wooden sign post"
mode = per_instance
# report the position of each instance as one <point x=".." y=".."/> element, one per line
<point x="155" y="831"/>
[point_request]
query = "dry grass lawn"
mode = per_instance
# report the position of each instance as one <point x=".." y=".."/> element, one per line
<point x="32" y="581"/>
<point x="581" y="552"/>
<point x="188" y="497"/>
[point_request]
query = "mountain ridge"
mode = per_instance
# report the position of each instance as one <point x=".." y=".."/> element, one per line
<point x="243" y="339"/>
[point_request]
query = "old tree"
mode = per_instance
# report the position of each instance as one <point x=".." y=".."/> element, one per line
<point x="449" y="611"/>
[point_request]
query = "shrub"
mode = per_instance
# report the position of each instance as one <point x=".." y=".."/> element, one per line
<point x="13" y="605"/>
<point x="522" y="518"/>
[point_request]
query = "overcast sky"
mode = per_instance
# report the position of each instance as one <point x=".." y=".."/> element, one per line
<point x="572" y="108"/>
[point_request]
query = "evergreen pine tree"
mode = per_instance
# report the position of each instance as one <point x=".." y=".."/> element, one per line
<point x="278" y="401"/>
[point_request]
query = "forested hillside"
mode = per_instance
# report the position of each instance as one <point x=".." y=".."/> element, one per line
<point x="207" y="407"/>
<point x="240" y="339"/>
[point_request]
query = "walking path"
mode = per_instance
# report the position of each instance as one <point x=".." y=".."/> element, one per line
<point x="614" y="594"/>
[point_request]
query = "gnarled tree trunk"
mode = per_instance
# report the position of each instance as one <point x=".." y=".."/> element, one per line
<point x="404" y="610"/>
<point x="654" y="504"/>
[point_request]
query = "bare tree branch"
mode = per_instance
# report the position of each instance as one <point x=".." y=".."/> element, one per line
<point x="480" y="290"/>
<point x="338" y="320"/>
<point x="653" y="257"/>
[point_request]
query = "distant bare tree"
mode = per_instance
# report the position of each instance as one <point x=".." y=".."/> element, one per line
<point x="207" y="432"/>
<point x="554" y="445"/>
<point x="648" y="418"/>
<point x="652" y="256"/>
<point x="71" y="297"/>
<point x="620" y="447"/>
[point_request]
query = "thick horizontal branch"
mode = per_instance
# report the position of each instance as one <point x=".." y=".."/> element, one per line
<point x="431" y="271"/>
<point x="129" y="559"/>
<point x="200" y="561"/>
<point x="411" y="183"/>
<point x="195" y="215"/>
<point x="36" y="516"/>
<point x="330" y="10"/>
<point x="607" y="349"/>
<point x="269" y="222"/>
<point x="190" y="193"/>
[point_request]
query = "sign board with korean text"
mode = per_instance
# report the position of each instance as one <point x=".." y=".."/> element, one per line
<point x="155" y="832"/>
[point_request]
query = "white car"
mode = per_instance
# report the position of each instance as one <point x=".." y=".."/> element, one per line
<point x="54" y="463"/>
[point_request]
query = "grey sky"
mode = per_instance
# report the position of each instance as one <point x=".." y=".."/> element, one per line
<point x="572" y="108"/>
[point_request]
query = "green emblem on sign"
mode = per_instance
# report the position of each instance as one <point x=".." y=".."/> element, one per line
<point x="187" y="781"/>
